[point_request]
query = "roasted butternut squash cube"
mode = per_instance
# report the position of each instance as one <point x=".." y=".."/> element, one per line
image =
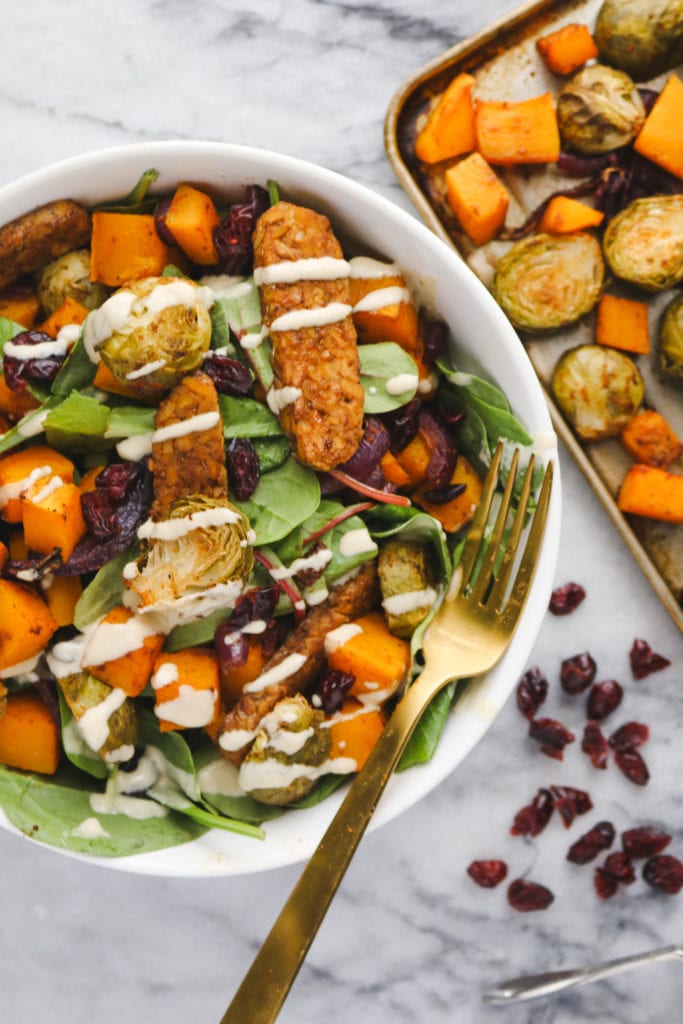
<point x="29" y="737"/>
<point x="378" y="660"/>
<point x="62" y="597"/>
<point x="518" y="132"/>
<point x="478" y="198"/>
<point x="354" y="730"/>
<point x="26" y="624"/>
<point x="131" y="670"/>
<point x="22" y="470"/>
<point x="54" y="519"/>
<point x="384" y="311"/>
<point x="457" y="512"/>
<point x="187" y="689"/>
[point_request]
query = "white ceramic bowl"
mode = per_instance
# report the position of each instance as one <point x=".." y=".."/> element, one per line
<point x="485" y="341"/>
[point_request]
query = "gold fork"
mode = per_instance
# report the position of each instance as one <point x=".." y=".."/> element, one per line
<point x="467" y="636"/>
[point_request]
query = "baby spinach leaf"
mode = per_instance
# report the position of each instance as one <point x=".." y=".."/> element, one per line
<point x="283" y="498"/>
<point x="192" y="634"/>
<point x="28" y="426"/>
<point x="271" y="451"/>
<point x="420" y="528"/>
<point x="464" y="391"/>
<point x="425" y="739"/>
<point x="245" y="417"/>
<point x="130" y="421"/>
<point x="76" y="372"/>
<point x="384" y="367"/>
<point x="342" y="560"/>
<point x="104" y="590"/>
<point x="77" y="424"/>
<point x="136" y="201"/>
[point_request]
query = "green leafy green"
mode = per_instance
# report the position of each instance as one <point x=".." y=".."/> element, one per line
<point x="137" y="200"/>
<point x="245" y="417"/>
<point x="271" y="451"/>
<point x="76" y="372"/>
<point x="283" y="498"/>
<point x="425" y="738"/>
<point x="104" y="590"/>
<point x="77" y="424"/>
<point x="29" y="426"/>
<point x="386" y="365"/>
<point x="130" y="421"/>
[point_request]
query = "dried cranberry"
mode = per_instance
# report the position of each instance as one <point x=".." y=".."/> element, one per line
<point x="644" y="660"/>
<point x="331" y="689"/>
<point x="230" y="376"/>
<point x="488" y="873"/>
<point x="532" y="690"/>
<point x="442" y="455"/>
<point x="233" y="236"/>
<point x="594" y="743"/>
<point x="232" y="647"/>
<point x="566" y="599"/>
<point x="43" y="369"/>
<point x="275" y="632"/>
<point x="552" y="736"/>
<point x="308" y="576"/>
<point x="434" y="336"/>
<point x="162" y="229"/>
<point x="528" y="896"/>
<point x="633" y="766"/>
<point x="629" y="736"/>
<point x="373" y="445"/>
<point x="244" y="470"/>
<point x="644" y="842"/>
<point x="442" y="495"/>
<point x="619" y="866"/>
<point x="664" y="873"/>
<point x="532" y="819"/>
<point x="589" y="845"/>
<point x="577" y="673"/>
<point x="570" y="802"/>
<point x="604" y="698"/>
<point x="605" y="884"/>
<point x="258" y="603"/>
<point x="403" y="424"/>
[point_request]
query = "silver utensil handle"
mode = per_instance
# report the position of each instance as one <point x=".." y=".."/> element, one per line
<point x="536" y="985"/>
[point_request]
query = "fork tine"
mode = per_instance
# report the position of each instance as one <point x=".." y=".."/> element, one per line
<point x="487" y="567"/>
<point x="475" y="533"/>
<point x="496" y="597"/>
<point x="527" y="565"/>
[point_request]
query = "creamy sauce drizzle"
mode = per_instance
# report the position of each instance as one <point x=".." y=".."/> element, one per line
<point x="356" y="542"/>
<point x="318" y="316"/>
<point x="13" y="490"/>
<point x="399" y="604"/>
<point x="145" y="370"/>
<point x="173" y="529"/>
<point x="341" y="635"/>
<point x="287" y="667"/>
<point x="323" y="268"/>
<point x="400" y="383"/>
<point x="279" y="398"/>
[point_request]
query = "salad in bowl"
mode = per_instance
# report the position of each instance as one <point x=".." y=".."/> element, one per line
<point x="245" y="412"/>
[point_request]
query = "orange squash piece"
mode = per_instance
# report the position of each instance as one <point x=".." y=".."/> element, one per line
<point x="132" y="671"/>
<point x="15" y="404"/>
<point x="623" y="324"/>
<point x="564" y="215"/>
<point x="106" y="380"/>
<point x="29" y="737"/>
<point x="4" y="554"/>
<point x="125" y="247"/>
<point x="566" y="49"/>
<point x="478" y="198"/>
<point x="395" y="321"/>
<point x="457" y="512"/>
<point x="660" y="139"/>
<point x="414" y="458"/>
<point x="234" y="679"/>
<point x="70" y="312"/>
<point x="393" y="471"/>
<point x="62" y="597"/>
<point x="88" y="481"/>
<point x="652" y="492"/>
<point x="354" y="730"/>
<point x="21" y="470"/>
<point x="521" y="132"/>
<point x="650" y="439"/>
<point x="54" y="520"/>
<point x="191" y="698"/>
<point x="378" y="660"/>
<point x="191" y="218"/>
<point x="20" y="304"/>
<point x="26" y="623"/>
<point x="449" y="128"/>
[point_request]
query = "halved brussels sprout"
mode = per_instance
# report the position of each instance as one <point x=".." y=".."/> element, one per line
<point x="671" y="339"/>
<point x="69" y="277"/>
<point x="642" y="37"/>
<point x="598" y="389"/>
<point x="644" y="243"/>
<point x="193" y="560"/>
<point x="152" y="332"/>
<point x="290" y="742"/>
<point x="546" y="281"/>
<point x="599" y="109"/>
<point x="404" y="567"/>
<point x="114" y="734"/>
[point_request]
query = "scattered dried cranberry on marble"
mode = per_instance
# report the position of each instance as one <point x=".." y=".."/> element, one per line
<point x="527" y="896"/>
<point x="532" y="819"/>
<point x="577" y="673"/>
<point x="644" y="660"/>
<point x="605" y="884"/>
<point x="618" y="864"/>
<point x="532" y="690"/>
<point x="631" y="763"/>
<point x="629" y="736"/>
<point x="604" y="698"/>
<point x="644" y="842"/>
<point x="566" y="599"/>
<point x="570" y="802"/>
<point x="664" y="873"/>
<point x="488" y="873"/>
<point x="552" y="736"/>
<point x="588" y="846"/>
<point x="594" y="743"/>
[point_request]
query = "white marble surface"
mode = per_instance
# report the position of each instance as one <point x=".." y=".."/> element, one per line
<point x="409" y="937"/>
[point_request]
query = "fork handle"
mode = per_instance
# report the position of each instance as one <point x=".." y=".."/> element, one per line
<point x="264" y="989"/>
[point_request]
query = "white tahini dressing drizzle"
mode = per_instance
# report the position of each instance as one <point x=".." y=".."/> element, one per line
<point x="173" y="529"/>
<point x="317" y="561"/>
<point x="318" y="316"/>
<point x="134" y="448"/>
<point x="22" y="668"/>
<point x="144" y="371"/>
<point x="107" y="641"/>
<point x="399" y="604"/>
<point x="323" y="268"/>
<point x="16" y="488"/>
<point x="287" y="667"/>
<point x="279" y="398"/>
<point x="45" y="492"/>
<point x="32" y="424"/>
<point x="94" y="723"/>
<point x="356" y="542"/>
<point x="164" y="675"/>
<point x="191" y="709"/>
<point x="90" y="828"/>
<point x="341" y="635"/>
<point x="400" y="383"/>
<point x="43" y="350"/>
<point x="381" y="297"/>
<point x="366" y="267"/>
<point x="132" y="806"/>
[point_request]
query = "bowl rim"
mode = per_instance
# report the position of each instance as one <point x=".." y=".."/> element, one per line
<point x="221" y="853"/>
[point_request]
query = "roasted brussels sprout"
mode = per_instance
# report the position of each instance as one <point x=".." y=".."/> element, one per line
<point x="113" y="734"/>
<point x="193" y="560"/>
<point x="599" y="109"/>
<point x="152" y="332"/>
<point x="69" y="277"/>
<point x="406" y="578"/>
<point x="289" y="746"/>
<point x="671" y="339"/>
<point x="644" y="243"/>
<point x="546" y="281"/>
<point x="642" y="37"/>
<point x="598" y="389"/>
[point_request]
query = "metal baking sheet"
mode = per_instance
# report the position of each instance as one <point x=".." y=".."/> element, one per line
<point x="506" y="66"/>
